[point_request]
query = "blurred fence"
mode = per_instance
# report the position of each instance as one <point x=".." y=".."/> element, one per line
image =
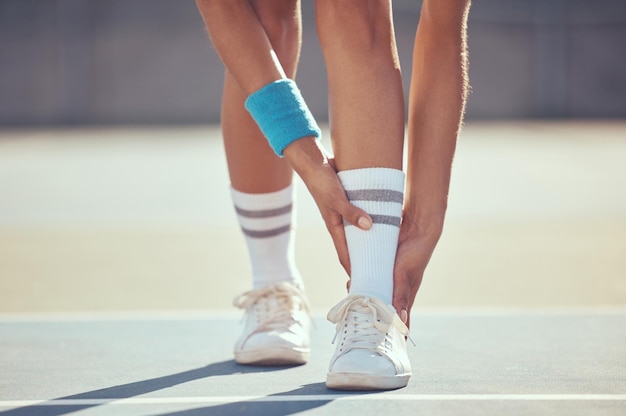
<point x="65" y="62"/>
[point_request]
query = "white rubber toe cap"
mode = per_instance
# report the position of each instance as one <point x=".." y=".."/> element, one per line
<point x="363" y="361"/>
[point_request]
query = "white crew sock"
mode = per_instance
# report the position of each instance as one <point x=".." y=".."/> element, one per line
<point x="379" y="192"/>
<point x="266" y="221"/>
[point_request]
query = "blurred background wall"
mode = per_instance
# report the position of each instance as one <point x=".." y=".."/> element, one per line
<point x="94" y="62"/>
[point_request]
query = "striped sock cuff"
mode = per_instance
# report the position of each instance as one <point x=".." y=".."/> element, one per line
<point x="378" y="191"/>
<point x="264" y="215"/>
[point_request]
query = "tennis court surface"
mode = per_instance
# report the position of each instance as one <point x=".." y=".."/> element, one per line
<point x="120" y="254"/>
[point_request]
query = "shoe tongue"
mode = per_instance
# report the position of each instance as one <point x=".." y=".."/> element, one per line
<point x="269" y="304"/>
<point x="361" y="311"/>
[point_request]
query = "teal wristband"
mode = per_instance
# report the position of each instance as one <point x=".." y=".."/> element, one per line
<point x="282" y="115"/>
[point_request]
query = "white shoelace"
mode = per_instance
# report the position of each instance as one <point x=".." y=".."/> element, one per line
<point x="364" y="323"/>
<point x="274" y="305"/>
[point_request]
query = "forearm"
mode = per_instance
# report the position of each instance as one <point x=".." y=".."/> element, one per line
<point x="242" y="43"/>
<point x="436" y="107"/>
<point x="306" y="156"/>
<point x="250" y="49"/>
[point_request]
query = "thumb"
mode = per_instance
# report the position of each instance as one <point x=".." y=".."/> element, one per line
<point x="355" y="216"/>
<point x="401" y="293"/>
<point x="331" y="162"/>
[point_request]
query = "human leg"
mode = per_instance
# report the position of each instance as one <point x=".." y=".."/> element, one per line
<point x="243" y="44"/>
<point x="367" y="113"/>
<point x="367" y="128"/>
<point x="262" y="182"/>
<point x="277" y="320"/>
<point x="364" y="83"/>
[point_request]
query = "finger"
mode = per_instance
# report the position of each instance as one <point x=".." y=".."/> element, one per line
<point x="408" y="319"/>
<point x="331" y="162"/>
<point x="402" y="307"/>
<point x="338" y="235"/>
<point x="401" y="294"/>
<point x="404" y="316"/>
<point x="355" y="216"/>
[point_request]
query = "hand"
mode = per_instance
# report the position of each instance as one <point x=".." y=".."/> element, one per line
<point x="320" y="177"/>
<point x="414" y="251"/>
<point x="334" y="207"/>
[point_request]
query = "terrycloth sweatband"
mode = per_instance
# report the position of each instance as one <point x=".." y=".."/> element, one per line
<point x="282" y="115"/>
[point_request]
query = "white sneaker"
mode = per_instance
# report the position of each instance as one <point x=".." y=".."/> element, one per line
<point x="277" y="326"/>
<point x="371" y="347"/>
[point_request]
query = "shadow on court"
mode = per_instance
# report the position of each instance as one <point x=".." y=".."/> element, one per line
<point x="125" y="391"/>
<point x="252" y="407"/>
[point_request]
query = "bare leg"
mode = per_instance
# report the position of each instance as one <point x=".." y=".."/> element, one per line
<point x="365" y="88"/>
<point x="259" y="42"/>
<point x="367" y="126"/>
<point x="241" y="32"/>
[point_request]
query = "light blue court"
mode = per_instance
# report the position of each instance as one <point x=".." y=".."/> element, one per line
<point x="568" y="362"/>
<point x="521" y="312"/>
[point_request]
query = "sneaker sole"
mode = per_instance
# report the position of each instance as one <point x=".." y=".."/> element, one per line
<point x="273" y="357"/>
<point x="360" y="381"/>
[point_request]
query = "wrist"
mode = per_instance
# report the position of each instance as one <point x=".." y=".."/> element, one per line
<point x="423" y="221"/>
<point x="279" y="110"/>
<point x="305" y="156"/>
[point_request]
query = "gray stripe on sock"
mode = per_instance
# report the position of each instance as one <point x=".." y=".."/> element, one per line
<point x="266" y="233"/>
<point x="263" y="213"/>
<point x="381" y="219"/>
<point x="382" y="195"/>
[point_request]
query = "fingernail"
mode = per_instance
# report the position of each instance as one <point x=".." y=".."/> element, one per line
<point x="365" y="223"/>
<point x="404" y="315"/>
